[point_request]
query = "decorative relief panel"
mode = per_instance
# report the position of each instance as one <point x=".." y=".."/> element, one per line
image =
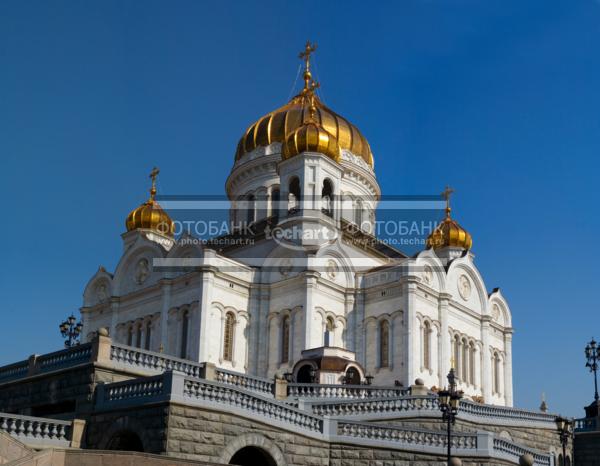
<point x="464" y="287"/>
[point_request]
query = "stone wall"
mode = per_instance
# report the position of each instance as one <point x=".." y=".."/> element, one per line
<point x="587" y="448"/>
<point x="56" y="393"/>
<point x="351" y="455"/>
<point x="11" y="449"/>
<point x="149" y="423"/>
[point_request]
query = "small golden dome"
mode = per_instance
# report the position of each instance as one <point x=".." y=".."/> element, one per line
<point x="277" y="125"/>
<point x="310" y="137"/>
<point x="150" y="214"/>
<point x="449" y="233"/>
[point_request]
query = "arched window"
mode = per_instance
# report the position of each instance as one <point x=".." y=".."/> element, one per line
<point x="327" y="198"/>
<point x="275" y="196"/>
<point x="358" y="213"/>
<point x="285" y="339"/>
<point x="228" y="337"/>
<point x="329" y="326"/>
<point x="427" y="345"/>
<point x="472" y="363"/>
<point x="456" y="358"/>
<point x="148" y="335"/>
<point x="384" y="343"/>
<point x="250" y="209"/>
<point x="185" y="326"/>
<point x="465" y="360"/>
<point x="294" y="195"/>
<point x="138" y="336"/>
<point x="496" y="374"/>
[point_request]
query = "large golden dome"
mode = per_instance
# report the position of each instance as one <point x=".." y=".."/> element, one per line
<point x="449" y="233"/>
<point x="150" y="215"/>
<point x="277" y="125"/>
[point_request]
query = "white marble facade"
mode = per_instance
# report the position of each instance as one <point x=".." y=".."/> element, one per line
<point x="253" y="309"/>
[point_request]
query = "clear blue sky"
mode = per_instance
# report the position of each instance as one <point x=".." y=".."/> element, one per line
<point x="499" y="99"/>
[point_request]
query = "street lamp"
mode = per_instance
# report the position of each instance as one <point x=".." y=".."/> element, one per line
<point x="70" y="330"/>
<point x="313" y="375"/>
<point x="449" y="401"/>
<point x="592" y="354"/>
<point x="564" y="430"/>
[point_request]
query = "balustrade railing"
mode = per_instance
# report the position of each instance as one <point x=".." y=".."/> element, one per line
<point x="406" y="435"/>
<point x="506" y="448"/>
<point x="305" y="390"/>
<point x="65" y="358"/>
<point x="35" y="430"/>
<point x="155" y="362"/>
<point x="589" y="424"/>
<point x="382" y="406"/>
<point x="255" y="404"/>
<point x="147" y="387"/>
<point x="248" y="382"/>
<point x="375" y="406"/>
<point x="14" y="371"/>
<point x="505" y="412"/>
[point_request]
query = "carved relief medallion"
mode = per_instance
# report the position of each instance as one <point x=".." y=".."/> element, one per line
<point x="101" y="292"/>
<point x="495" y="312"/>
<point x="428" y="275"/>
<point x="332" y="269"/>
<point x="142" y="271"/>
<point x="464" y="287"/>
<point x="285" y="268"/>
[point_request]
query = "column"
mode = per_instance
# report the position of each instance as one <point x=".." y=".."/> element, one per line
<point x="164" y="316"/>
<point x="311" y="332"/>
<point x="114" y="309"/>
<point x="508" y="386"/>
<point x="486" y="358"/>
<point x="410" y="331"/>
<point x="350" y="313"/>
<point x="444" y="351"/>
<point x="207" y="283"/>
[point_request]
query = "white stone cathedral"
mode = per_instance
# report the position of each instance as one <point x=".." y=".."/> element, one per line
<point x="309" y="293"/>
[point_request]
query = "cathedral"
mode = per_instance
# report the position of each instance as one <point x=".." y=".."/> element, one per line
<point x="308" y="293"/>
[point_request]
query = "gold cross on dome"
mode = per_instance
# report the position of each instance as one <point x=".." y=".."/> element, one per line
<point x="305" y="55"/>
<point x="446" y="194"/>
<point x="153" y="174"/>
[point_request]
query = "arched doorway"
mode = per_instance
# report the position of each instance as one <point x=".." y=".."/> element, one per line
<point x="252" y="456"/>
<point x="125" y="441"/>
<point x="352" y="376"/>
<point x="304" y="374"/>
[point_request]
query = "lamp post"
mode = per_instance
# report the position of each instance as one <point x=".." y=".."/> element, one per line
<point x="592" y="354"/>
<point x="449" y="401"/>
<point x="70" y="330"/>
<point x="564" y="430"/>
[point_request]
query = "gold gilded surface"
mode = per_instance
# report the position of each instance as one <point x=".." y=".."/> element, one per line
<point x="311" y="137"/>
<point x="150" y="214"/>
<point x="304" y="107"/>
<point x="449" y="233"/>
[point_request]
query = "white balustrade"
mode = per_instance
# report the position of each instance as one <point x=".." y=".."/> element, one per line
<point x="35" y="430"/>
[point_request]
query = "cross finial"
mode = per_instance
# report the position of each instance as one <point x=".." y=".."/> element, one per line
<point x="153" y="174"/>
<point x="305" y="55"/>
<point x="446" y="194"/>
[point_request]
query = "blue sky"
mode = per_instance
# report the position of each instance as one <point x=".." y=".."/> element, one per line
<point x="499" y="99"/>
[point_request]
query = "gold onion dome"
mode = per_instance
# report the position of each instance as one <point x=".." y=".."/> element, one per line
<point x="150" y="214"/>
<point x="277" y="125"/>
<point x="449" y="233"/>
<point x="311" y="137"/>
